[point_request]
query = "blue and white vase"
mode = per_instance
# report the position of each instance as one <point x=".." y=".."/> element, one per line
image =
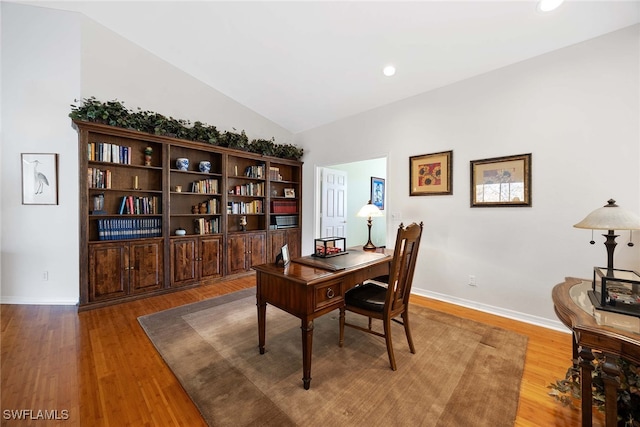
<point x="182" y="164"/>
<point x="205" y="166"/>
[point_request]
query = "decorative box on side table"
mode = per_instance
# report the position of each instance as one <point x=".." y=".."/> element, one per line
<point x="616" y="290"/>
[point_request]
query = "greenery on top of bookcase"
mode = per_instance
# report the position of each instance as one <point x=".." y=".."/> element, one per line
<point x="114" y="113"/>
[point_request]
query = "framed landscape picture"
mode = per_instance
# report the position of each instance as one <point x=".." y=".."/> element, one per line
<point x="39" y="179"/>
<point x="431" y="174"/>
<point x="501" y="181"/>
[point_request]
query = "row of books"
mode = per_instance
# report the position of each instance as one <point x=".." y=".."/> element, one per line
<point x="274" y="173"/>
<point x="99" y="178"/>
<point x="144" y="205"/>
<point x="241" y="208"/>
<point x="129" y="228"/>
<point x="108" y="152"/>
<point x="255" y="171"/>
<point x="250" y="189"/>
<point x="207" y="226"/>
<point x="284" y="206"/>
<point x="208" y="186"/>
<point x="213" y="206"/>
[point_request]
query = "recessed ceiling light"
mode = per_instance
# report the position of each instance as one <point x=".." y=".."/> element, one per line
<point x="549" y="5"/>
<point x="389" y="70"/>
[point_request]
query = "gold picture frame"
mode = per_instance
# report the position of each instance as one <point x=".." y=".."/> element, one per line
<point x="431" y="174"/>
<point x="501" y="181"/>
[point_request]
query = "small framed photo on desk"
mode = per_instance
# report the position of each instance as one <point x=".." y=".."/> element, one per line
<point x="283" y="257"/>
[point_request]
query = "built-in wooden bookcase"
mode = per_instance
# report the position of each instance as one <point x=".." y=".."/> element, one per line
<point x="134" y="197"/>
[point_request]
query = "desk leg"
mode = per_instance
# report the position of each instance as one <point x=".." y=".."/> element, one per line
<point x="262" y="316"/>
<point x="307" y="341"/>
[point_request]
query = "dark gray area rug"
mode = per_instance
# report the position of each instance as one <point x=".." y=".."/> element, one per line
<point x="464" y="373"/>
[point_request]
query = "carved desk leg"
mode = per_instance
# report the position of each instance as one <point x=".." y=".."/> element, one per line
<point x="611" y="379"/>
<point x="586" y="369"/>
<point x="307" y="341"/>
<point x="262" y="316"/>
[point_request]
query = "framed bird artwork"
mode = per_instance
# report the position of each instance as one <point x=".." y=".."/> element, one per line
<point x="39" y="179"/>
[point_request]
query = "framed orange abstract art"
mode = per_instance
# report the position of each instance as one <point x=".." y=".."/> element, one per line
<point x="431" y="174"/>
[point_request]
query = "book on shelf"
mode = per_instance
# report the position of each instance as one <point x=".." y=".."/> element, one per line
<point x="274" y="173"/>
<point x="129" y="228"/>
<point x="139" y="205"/>
<point x="241" y="208"/>
<point x="249" y="189"/>
<point x="108" y="152"/>
<point x="99" y="178"/>
<point x="207" y="225"/>
<point x="254" y="171"/>
<point x="205" y="186"/>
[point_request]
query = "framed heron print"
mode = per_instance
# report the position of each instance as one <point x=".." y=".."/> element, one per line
<point x="39" y="179"/>
<point x="501" y="181"/>
<point x="431" y="174"/>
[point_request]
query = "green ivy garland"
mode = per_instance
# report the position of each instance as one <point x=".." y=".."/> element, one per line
<point x="114" y="113"/>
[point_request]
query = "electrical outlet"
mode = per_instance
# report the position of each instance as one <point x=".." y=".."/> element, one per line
<point x="472" y="280"/>
<point x="396" y="216"/>
<point x="45" y="275"/>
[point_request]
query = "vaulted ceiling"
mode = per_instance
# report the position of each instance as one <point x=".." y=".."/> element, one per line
<point x="302" y="64"/>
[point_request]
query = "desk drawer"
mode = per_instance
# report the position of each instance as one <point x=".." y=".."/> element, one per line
<point x="328" y="294"/>
<point x="371" y="272"/>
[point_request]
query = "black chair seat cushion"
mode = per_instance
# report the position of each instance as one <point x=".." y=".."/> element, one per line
<point x="368" y="296"/>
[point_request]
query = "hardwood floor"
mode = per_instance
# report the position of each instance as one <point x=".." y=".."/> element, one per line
<point x="98" y="368"/>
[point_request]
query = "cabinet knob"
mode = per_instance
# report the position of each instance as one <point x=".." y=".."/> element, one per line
<point x="330" y="293"/>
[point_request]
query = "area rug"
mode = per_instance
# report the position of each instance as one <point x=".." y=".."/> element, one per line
<point x="464" y="373"/>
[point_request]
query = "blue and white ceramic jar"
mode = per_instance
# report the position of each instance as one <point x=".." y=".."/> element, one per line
<point x="182" y="163"/>
<point x="205" y="166"/>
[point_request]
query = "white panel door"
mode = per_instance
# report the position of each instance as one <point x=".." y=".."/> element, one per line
<point x="333" y="219"/>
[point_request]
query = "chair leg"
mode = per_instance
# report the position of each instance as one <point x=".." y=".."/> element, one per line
<point x="342" y="320"/>
<point x="407" y="330"/>
<point x="387" y="337"/>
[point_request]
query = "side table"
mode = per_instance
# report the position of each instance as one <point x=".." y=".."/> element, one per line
<point x="589" y="335"/>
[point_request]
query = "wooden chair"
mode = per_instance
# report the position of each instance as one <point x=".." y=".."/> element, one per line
<point x="377" y="301"/>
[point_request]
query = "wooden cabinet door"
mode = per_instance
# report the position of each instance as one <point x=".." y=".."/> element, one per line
<point x="108" y="271"/>
<point x="257" y="249"/>
<point x="184" y="254"/>
<point x="210" y="256"/>
<point x="293" y="239"/>
<point x="145" y="266"/>
<point x="236" y="253"/>
<point x="276" y="241"/>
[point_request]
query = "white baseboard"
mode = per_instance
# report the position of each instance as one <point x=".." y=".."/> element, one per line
<point x="509" y="314"/>
<point x="28" y="301"/>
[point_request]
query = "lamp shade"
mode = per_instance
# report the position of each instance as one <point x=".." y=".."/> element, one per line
<point x="610" y="217"/>
<point x="369" y="211"/>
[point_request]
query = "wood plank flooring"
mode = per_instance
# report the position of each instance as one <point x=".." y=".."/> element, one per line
<point x="98" y="368"/>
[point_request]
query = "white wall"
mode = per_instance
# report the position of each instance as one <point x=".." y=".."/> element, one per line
<point x="40" y="79"/>
<point x="50" y="58"/>
<point x="576" y="110"/>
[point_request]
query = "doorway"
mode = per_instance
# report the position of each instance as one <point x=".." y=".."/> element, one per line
<point x="355" y="192"/>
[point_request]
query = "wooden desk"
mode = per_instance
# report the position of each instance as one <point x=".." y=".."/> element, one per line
<point x="589" y="335"/>
<point x="308" y="292"/>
